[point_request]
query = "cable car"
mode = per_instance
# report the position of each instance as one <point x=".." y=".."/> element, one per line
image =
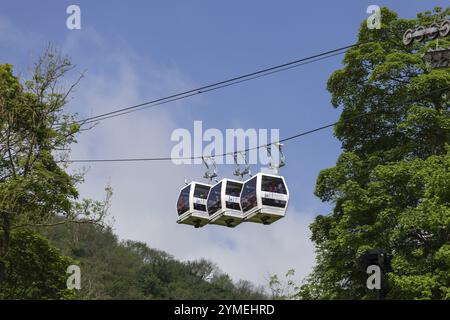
<point x="191" y="204"/>
<point x="223" y="203"/>
<point x="264" y="198"/>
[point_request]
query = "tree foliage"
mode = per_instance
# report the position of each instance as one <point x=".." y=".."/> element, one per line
<point x="34" y="269"/>
<point x="391" y="185"/>
<point x="113" y="269"/>
<point x="35" y="136"/>
<point x="284" y="289"/>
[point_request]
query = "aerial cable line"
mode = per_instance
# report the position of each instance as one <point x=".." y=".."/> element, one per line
<point x="200" y="157"/>
<point x="220" y="84"/>
<point x="296" y="136"/>
<point x="210" y="89"/>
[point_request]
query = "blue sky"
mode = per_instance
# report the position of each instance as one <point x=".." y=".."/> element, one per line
<point x="135" y="51"/>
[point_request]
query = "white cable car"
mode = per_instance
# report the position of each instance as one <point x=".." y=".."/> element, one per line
<point x="191" y="205"/>
<point x="264" y="198"/>
<point x="223" y="203"/>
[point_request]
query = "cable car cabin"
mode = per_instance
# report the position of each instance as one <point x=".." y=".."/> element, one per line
<point x="191" y="205"/>
<point x="264" y="198"/>
<point x="223" y="203"/>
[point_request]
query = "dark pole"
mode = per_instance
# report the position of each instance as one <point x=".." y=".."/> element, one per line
<point x="380" y="258"/>
<point x="381" y="293"/>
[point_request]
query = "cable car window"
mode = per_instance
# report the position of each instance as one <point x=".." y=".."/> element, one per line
<point x="273" y="184"/>
<point x="199" y="207"/>
<point x="201" y="191"/>
<point x="248" y="197"/>
<point x="183" y="200"/>
<point x="274" y="203"/>
<point x="214" y="203"/>
<point x="233" y="205"/>
<point x="233" y="189"/>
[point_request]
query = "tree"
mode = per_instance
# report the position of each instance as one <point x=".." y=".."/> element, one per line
<point x="35" y="135"/>
<point x="36" y="270"/>
<point x="131" y="270"/>
<point x="284" y="290"/>
<point x="391" y="185"/>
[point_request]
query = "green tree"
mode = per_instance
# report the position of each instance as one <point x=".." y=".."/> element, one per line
<point x="113" y="269"/>
<point x="286" y="289"/>
<point x="35" y="135"/>
<point x="35" y="269"/>
<point x="391" y="185"/>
